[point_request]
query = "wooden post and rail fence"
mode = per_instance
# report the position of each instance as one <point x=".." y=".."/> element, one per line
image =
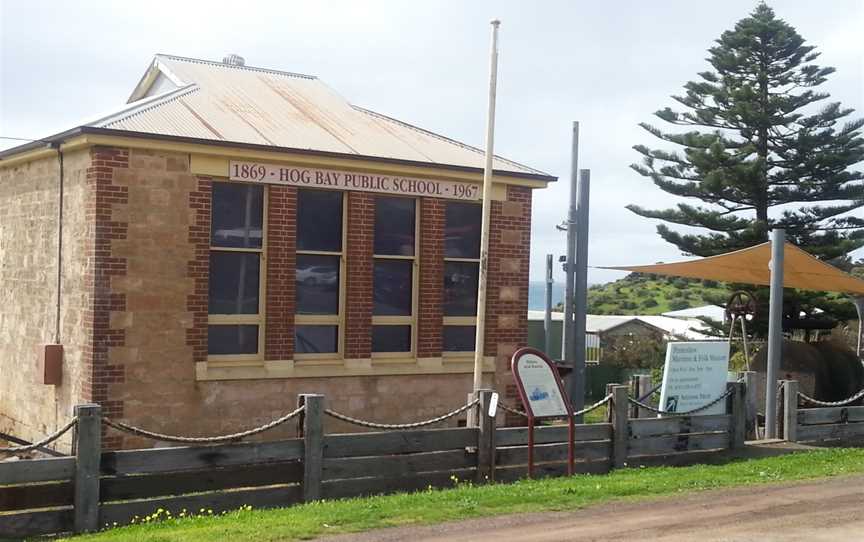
<point x="94" y="488"/>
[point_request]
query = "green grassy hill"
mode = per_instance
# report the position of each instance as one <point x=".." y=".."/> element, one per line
<point x="653" y="294"/>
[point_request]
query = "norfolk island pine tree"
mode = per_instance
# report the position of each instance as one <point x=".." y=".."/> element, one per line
<point x="761" y="139"/>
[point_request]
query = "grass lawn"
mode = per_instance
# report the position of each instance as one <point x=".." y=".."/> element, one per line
<point x="598" y="415"/>
<point x="466" y="501"/>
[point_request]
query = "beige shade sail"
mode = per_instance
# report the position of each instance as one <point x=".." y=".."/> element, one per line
<point x="750" y="265"/>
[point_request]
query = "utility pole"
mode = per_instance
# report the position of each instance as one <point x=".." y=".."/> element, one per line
<point x="775" y="331"/>
<point x="580" y="296"/>
<point x="547" y="317"/>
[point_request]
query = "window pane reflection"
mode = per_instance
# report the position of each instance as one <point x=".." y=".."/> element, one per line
<point x="317" y="284"/>
<point x="391" y="338"/>
<point x="315" y="339"/>
<point x="237" y="215"/>
<point x="394" y="226"/>
<point x="234" y="282"/>
<point x="392" y="288"/>
<point x="319" y="220"/>
<point x="225" y="340"/>
<point x="459" y="338"/>
<point x="462" y="230"/>
<point x="460" y="288"/>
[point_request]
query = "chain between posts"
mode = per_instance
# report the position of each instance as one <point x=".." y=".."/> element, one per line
<point x="126" y="428"/>
<point x="512" y="410"/>
<point x="47" y="440"/>
<point x="585" y="410"/>
<point x="842" y="402"/>
<point x="679" y="414"/>
<point x="376" y="425"/>
<point x="653" y="390"/>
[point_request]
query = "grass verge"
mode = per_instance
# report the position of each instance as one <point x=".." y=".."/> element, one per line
<point x="467" y="501"/>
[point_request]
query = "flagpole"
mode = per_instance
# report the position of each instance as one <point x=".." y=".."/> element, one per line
<point x="487" y="193"/>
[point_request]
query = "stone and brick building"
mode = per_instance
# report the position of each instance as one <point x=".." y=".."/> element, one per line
<point x="235" y="236"/>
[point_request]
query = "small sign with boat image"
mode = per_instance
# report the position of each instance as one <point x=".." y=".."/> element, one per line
<point x="539" y="383"/>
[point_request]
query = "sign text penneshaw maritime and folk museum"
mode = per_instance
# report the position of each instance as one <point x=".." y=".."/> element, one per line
<point x="235" y="236"/>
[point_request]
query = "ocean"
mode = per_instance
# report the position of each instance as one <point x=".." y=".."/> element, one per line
<point x="537" y="294"/>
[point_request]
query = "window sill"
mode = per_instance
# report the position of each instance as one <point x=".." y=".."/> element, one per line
<point x="208" y="371"/>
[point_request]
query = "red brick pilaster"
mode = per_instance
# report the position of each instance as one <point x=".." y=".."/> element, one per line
<point x="507" y="290"/>
<point x="358" y="303"/>
<point x="198" y="269"/>
<point x="104" y="195"/>
<point x="431" y="294"/>
<point x="281" y="270"/>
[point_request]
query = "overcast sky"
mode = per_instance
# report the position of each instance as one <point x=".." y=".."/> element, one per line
<point x="609" y="65"/>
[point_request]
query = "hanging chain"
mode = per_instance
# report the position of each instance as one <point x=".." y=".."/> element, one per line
<point x="679" y="414"/>
<point x="585" y="410"/>
<point x="47" y="440"/>
<point x="843" y="402"/>
<point x="137" y="431"/>
<point x="376" y="425"/>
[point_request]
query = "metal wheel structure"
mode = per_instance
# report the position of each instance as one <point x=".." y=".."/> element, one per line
<point x="741" y="306"/>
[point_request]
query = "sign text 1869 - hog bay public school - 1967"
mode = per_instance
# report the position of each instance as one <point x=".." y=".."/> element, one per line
<point x="349" y="180"/>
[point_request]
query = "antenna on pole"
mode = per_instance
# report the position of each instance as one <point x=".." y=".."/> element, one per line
<point x="484" y="232"/>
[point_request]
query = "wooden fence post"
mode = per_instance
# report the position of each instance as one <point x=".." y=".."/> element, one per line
<point x="750" y="409"/>
<point x="644" y="387"/>
<point x="609" y="389"/>
<point x="485" y="439"/>
<point x="790" y="410"/>
<point x="635" y="393"/>
<point x="88" y="450"/>
<point x="313" y="445"/>
<point x="737" y="415"/>
<point x="620" y="426"/>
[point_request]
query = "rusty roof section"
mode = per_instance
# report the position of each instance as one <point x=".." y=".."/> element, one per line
<point x="213" y="101"/>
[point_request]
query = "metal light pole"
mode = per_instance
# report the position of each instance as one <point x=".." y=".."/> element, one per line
<point x="547" y="317"/>
<point x="580" y="298"/>
<point x="487" y="203"/>
<point x="567" y="351"/>
<point x="775" y="331"/>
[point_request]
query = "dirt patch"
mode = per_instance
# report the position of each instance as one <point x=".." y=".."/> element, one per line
<point x="828" y="510"/>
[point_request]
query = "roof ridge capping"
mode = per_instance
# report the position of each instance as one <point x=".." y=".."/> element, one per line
<point x="447" y="139"/>
<point x="233" y="66"/>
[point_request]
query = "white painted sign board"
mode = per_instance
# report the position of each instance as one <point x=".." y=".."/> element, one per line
<point x="493" y="404"/>
<point x="695" y="374"/>
<point x="540" y="386"/>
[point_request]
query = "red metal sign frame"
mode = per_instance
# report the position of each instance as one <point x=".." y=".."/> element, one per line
<point x="531" y="417"/>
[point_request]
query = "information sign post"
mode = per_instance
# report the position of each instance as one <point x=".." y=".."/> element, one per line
<point x="542" y="393"/>
<point x="694" y="375"/>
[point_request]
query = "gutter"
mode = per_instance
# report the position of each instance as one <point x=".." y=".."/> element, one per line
<point x="82" y="130"/>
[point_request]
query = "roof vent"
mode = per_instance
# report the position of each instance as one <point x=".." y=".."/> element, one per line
<point x="234" y="60"/>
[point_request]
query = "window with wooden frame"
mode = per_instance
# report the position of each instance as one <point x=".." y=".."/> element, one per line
<point x="320" y="286"/>
<point x="237" y="264"/>
<point x="462" y="224"/>
<point x="395" y="273"/>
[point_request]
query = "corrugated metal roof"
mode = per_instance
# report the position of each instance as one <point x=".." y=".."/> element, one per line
<point x="258" y="106"/>
<point x="688" y="328"/>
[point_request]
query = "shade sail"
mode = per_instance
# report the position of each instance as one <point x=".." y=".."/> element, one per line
<point x="750" y="265"/>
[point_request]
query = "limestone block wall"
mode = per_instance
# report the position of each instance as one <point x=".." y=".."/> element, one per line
<point x="29" y="198"/>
